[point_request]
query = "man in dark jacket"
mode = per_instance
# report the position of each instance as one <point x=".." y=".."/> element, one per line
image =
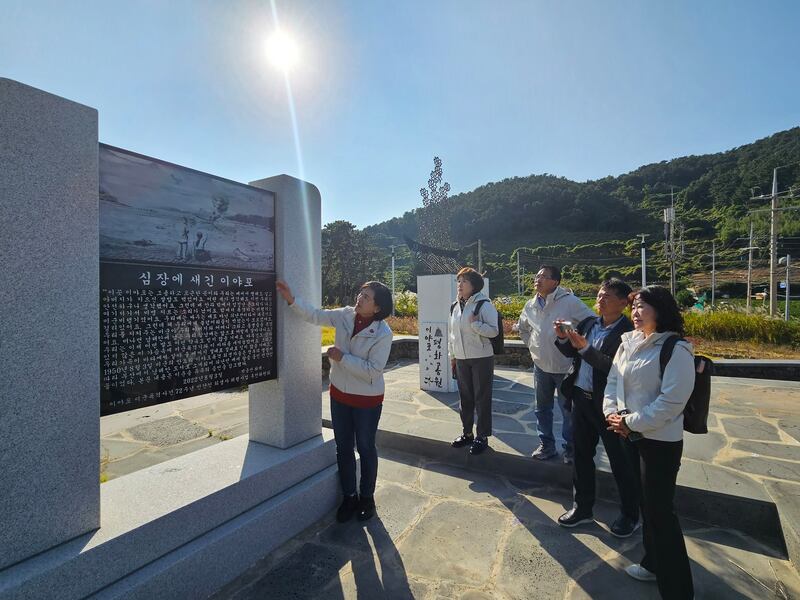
<point x="592" y="346"/>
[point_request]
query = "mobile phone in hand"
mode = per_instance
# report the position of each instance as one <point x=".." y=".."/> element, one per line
<point x="566" y="326"/>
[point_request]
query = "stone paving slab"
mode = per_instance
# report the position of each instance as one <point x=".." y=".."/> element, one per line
<point x="783" y="451"/>
<point x="791" y="427"/>
<point x="112" y="449"/>
<point x="153" y="455"/>
<point x="751" y="428"/>
<point x="167" y="432"/>
<point x="448" y="533"/>
<point x="147" y="436"/>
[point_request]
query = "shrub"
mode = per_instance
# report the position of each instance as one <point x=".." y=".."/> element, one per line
<point x="587" y="290"/>
<point x="685" y="298"/>
<point x="510" y="307"/>
<point x="405" y="304"/>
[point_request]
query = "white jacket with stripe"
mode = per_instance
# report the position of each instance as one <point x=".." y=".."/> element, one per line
<point x="361" y="369"/>
<point x="655" y="405"/>
<point x="472" y="340"/>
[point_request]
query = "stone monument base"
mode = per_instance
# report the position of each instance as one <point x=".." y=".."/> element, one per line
<point x="185" y="527"/>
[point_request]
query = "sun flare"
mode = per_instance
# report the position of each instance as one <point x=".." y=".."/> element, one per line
<point x="282" y="51"/>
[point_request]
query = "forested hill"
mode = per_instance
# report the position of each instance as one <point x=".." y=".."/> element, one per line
<point x="712" y="195"/>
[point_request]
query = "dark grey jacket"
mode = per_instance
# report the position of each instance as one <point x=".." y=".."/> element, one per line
<point x="600" y="360"/>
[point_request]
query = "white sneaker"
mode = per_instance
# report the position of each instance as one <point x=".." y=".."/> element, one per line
<point x="541" y="453"/>
<point x="637" y="571"/>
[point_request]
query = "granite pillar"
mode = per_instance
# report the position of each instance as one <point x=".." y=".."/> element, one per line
<point x="287" y="410"/>
<point x="49" y="322"/>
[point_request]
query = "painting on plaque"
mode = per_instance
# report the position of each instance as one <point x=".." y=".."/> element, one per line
<point x="187" y="282"/>
<point x="152" y="211"/>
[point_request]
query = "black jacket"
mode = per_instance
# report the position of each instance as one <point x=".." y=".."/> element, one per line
<point x="600" y="360"/>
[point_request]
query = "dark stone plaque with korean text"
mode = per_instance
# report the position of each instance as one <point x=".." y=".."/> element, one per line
<point x="187" y="282"/>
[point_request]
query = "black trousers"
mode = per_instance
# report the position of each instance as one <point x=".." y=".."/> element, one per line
<point x="664" y="547"/>
<point x="589" y="427"/>
<point x="356" y="427"/>
<point x="474" y="376"/>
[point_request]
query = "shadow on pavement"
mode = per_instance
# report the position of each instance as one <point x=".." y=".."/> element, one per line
<point x="314" y="569"/>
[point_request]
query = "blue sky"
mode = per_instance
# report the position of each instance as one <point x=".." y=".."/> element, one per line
<point x="581" y="89"/>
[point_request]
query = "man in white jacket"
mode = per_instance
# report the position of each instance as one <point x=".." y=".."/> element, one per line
<point x="551" y="303"/>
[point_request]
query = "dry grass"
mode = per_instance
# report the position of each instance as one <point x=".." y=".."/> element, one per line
<point x="403" y="325"/>
<point x="742" y="349"/>
<point x="104" y="460"/>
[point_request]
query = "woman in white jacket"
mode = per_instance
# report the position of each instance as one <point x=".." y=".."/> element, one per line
<point x="472" y="358"/>
<point x="362" y="345"/>
<point x="647" y="410"/>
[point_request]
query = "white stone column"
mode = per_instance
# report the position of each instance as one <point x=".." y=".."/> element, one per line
<point x="288" y="410"/>
<point x="49" y="321"/>
<point x="435" y="294"/>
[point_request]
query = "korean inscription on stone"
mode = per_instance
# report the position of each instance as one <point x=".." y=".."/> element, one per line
<point x="433" y="362"/>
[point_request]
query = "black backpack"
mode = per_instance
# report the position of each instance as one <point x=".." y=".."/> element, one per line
<point x="695" y="415"/>
<point x="498" y="341"/>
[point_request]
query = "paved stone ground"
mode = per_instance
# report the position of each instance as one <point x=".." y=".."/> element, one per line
<point x="444" y="533"/>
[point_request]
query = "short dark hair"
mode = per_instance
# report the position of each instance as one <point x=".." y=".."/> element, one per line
<point x="474" y="278"/>
<point x="555" y="272"/>
<point x="616" y="285"/>
<point x="668" y="315"/>
<point x="383" y="298"/>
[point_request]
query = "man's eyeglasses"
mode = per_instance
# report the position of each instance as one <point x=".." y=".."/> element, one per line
<point x="541" y="276"/>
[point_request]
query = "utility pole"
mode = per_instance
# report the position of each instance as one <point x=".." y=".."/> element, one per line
<point x="672" y="283"/>
<point x="480" y="258"/>
<point x="713" y="272"/>
<point x="644" y="261"/>
<point x="669" y="241"/>
<point x="773" y="235"/>
<point x="750" y="269"/>
<point x="773" y="246"/>
<point x="392" y="280"/>
<point x="519" y="281"/>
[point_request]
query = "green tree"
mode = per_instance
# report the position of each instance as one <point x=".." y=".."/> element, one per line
<point x="349" y="258"/>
